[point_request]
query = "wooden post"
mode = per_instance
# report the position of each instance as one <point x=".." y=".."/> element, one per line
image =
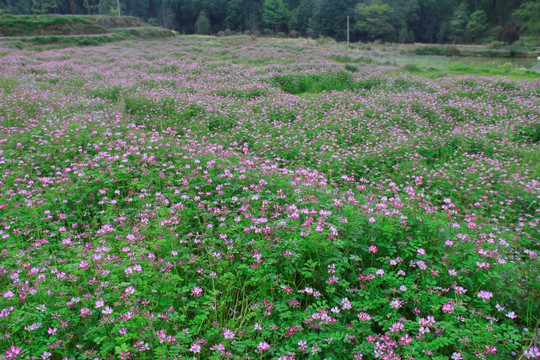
<point x="347" y="31"/>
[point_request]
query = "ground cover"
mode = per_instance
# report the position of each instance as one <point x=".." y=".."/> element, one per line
<point x="206" y="198"/>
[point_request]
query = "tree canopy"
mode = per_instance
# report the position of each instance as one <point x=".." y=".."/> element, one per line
<point x="450" y="21"/>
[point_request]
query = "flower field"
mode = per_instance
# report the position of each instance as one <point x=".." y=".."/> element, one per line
<point x="228" y="198"/>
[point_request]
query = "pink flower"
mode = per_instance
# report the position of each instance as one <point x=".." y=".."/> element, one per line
<point x="532" y="353"/>
<point x="195" y="348"/>
<point x="107" y="311"/>
<point x="364" y="317"/>
<point x="511" y="315"/>
<point x="405" y="340"/>
<point x="197" y="291"/>
<point x="263" y="346"/>
<point x="448" y="308"/>
<point x="218" y="347"/>
<point x="484" y="295"/>
<point x="373" y="249"/>
<point x="228" y="334"/>
<point x="490" y="349"/>
<point x="130" y="290"/>
<point x="85" y="312"/>
<point x="13" y="352"/>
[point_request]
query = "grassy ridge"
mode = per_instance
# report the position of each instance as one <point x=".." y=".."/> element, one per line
<point x="34" y="25"/>
<point x="92" y="40"/>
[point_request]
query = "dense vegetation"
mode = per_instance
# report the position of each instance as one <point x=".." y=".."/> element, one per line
<point x="214" y="198"/>
<point x="428" y="21"/>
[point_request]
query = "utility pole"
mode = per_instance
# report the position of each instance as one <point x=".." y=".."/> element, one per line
<point x="347" y="31"/>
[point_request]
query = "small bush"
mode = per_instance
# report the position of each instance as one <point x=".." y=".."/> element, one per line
<point x="345" y="59"/>
<point x="242" y="93"/>
<point x="508" y="35"/>
<point x="494" y="45"/>
<point x="113" y="93"/>
<point x="153" y="21"/>
<point x="412" y="68"/>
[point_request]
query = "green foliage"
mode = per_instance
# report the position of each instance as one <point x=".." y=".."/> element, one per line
<point x="441" y="51"/>
<point x="351" y="68"/>
<point x="312" y="83"/>
<point x="375" y="22"/>
<point x="458" y="23"/>
<point x="406" y="21"/>
<point x="48" y="25"/>
<point x="527" y="15"/>
<point x="529" y="132"/>
<point x="412" y="68"/>
<point x="248" y="94"/>
<point x="275" y="14"/>
<point x="8" y="84"/>
<point x="477" y="24"/>
<point x="202" y="25"/>
<point x="345" y="59"/>
<point x="170" y="113"/>
<point x="508" y="35"/>
<point x="113" y="93"/>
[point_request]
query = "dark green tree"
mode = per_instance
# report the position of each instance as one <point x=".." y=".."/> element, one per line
<point x="186" y="15"/>
<point x="242" y="15"/>
<point x="303" y="15"/>
<point x="477" y="25"/>
<point x="375" y="22"/>
<point x="528" y="16"/>
<point x="459" y="22"/>
<point x="202" y="25"/>
<point x="330" y="17"/>
<point x="275" y="14"/>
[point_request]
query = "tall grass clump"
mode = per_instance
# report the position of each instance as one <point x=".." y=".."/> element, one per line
<point x="313" y="83"/>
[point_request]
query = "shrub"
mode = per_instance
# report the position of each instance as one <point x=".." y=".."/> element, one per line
<point x="508" y="35"/>
<point x="412" y="68"/>
<point x="311" y="83"/>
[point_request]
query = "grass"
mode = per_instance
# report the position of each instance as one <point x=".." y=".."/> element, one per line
<point x="457" y="69"/>
<point x="312" y="83"/>
<point x="46" y="42"/>
<point x="32" y="25"/>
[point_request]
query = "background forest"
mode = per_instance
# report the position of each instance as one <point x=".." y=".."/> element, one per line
<point x="405" y="21"/>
